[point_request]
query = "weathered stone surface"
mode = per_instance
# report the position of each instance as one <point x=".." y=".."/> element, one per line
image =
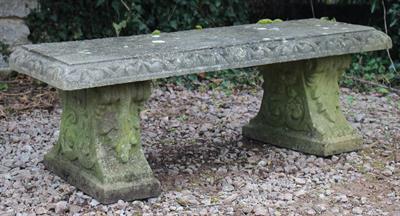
<point x="300" y="108"/>
<point x="99" y="149"/>
<point x="102" y="62"/>
<point x="16" y="8"/>
<point x="13" y="32"/>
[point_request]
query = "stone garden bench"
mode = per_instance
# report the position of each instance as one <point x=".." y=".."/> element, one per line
<point x="103" y="84"/>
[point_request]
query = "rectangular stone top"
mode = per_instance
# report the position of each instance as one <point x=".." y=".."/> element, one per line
<point x="109" y="61"/>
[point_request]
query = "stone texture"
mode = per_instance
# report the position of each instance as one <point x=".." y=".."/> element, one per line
<point x="13" y="32"/>
<point x="16" y="8"/>
<point x="110" y="61"/>
<point x="300" y="108"/>
<point x="99" y="149"/>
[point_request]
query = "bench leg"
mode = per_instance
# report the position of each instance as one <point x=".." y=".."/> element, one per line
<point x="300" y="108"/>
<point x="99" y="149"/>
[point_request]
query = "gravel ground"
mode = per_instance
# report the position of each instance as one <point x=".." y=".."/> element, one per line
<point x="193" y="142"/>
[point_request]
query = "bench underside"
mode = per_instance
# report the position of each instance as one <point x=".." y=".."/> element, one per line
<point x="99" y="149"/>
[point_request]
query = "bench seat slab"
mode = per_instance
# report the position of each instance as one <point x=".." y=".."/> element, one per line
<point x="300" y="108"/>
<point x="99" y="149"/>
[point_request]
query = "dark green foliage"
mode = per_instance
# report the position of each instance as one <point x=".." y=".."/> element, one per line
<point x="226" y="79"/>
<point x="377" y="67"/>
<point x="3" y="86"/>
<point x="75" y="20"/>
<point x="394" y="27"/>
<point x="392" y="21"/>
<point x="372" y="68"/>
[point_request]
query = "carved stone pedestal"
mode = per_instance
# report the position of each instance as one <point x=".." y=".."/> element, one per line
<point x="300" y="109"/>
<point x="99" y="149"/>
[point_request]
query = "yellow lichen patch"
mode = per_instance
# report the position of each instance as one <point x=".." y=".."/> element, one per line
<point x="156" y="32"/>
<point x="269" y="21"/>
<point x="265" y="21"/>
<point x="328" y="19"/>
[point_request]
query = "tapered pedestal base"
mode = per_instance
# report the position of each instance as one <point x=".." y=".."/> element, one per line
<point x="106" y="193"/>
<point x="99" y="149"/>
<point x="300" y="108"/>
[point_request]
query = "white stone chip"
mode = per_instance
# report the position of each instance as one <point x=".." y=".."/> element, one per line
<point x="158" y="41"/>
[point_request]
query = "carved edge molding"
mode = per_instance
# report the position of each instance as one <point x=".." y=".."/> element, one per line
<point x="82" y="76"/>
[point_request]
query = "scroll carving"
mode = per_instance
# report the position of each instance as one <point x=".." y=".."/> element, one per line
<point x="284" y="102"/>
<point x="101" y="118"/>
<point x="75" y="142"/>
<point x="303" y="96"/>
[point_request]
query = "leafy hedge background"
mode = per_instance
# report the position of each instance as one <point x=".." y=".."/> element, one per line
<point x="86" y="19"/>
<point x="75" y="20"/>
<point x="66" y="20"/>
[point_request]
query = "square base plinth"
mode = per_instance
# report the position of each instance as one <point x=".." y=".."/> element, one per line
<point x="104" y="193"/>
<point x="299" y="142"/>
